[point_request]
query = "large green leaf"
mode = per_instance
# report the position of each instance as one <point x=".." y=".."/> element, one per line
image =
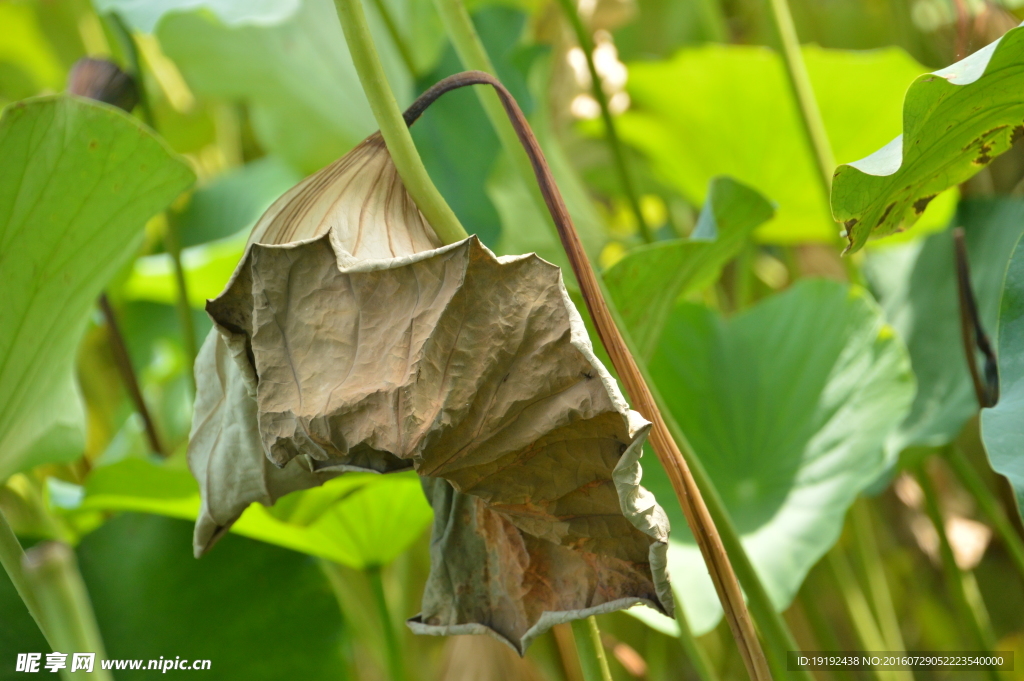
<point x="916" y="286"/>
<point x="955" y="121"/>
<point x="78" y="180"/>
<point x="303" y="93"/>
<point x="356" y="519"/>
<point x="788" y="405"/>
<point x="144" y="15"/>
<point x="728" y="110"/>
<point x="255" y="611"/>
<point x="1002" y="427"/>
<point x="647" y="282"/>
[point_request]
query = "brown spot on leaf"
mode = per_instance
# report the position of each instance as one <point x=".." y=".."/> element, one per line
<point x="93" y="144"/>
<point x="983" y="157"/>
<point x="922" y="203"/>
<point x="850" y="224"/>
<point x="888" y="209"/>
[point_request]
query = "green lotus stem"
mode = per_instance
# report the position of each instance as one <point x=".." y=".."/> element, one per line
<point x="714" y="20"/>
<point x="803" y="93"/>
<point x="586" y="42"/>
<point x="473" y="56"/>
<point x="591" y="650"/>
<point x="52" y="573"/>
<point x="822" y="630"/>
<point x="396" y="36"/>
<point x="172" y="242"/>
<point x="810" y="114"/>
<point x="970" y="479"/>
<point x="396" y="664"/>
<point x="864" y="625"/>
<point x="951" y="571"/>
<point x="11" y="557"/>
<point x="694" y="651"/>
<point x="878" y="588"/>
<point x="392" y="126"/>
<point x="128" y="376"/>
<point x="172" y="236"/>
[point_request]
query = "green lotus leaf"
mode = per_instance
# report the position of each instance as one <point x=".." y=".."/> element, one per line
<point x="788" y="405"/>
<point x="305" y="101"/>
<point x="916" y="287"/>
<point x="729" y="110"/>
<point x="1002" y="426"/>
<point x="78" y="180"/>
<point x="648" y="281"/>
<point x="955" y="121"/>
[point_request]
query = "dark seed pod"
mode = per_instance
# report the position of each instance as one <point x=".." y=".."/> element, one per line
<point x="103" y="81"/>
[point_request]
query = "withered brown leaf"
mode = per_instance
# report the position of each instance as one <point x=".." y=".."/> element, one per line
<point x="349" y="339"/>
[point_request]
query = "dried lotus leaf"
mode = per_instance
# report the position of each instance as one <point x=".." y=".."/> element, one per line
<point x="348" y="340"/>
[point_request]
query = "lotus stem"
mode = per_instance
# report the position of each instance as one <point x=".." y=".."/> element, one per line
<point x="693" y="650"/>
<point x="807" y="105"/>
<point x="473" y="56"/>
<point x="396" y="35"/>
<point x="822" y="630"/>
<point x="613" y="335"/>
<point x="952" y="574"/>
<point x="52" y="572"/>
<point x="972" y="334"/>
<point x="803" y="93"/>
<point x="396" y="664"/>
<point x="878" y="588"/>
<point x="11" y="557"/>
<point x="970" y="479"/>
<point x="131" y="382"/>
<point x="172" y="237"/>
<point x="586" y="42"/>
<point x="172" y="242"/>
<point x="392" y="127"/>
<point x="864" y="625"/>
<point x="591" y="650"/>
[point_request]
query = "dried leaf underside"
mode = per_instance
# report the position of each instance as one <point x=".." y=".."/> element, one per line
<point x="347" y="339"/>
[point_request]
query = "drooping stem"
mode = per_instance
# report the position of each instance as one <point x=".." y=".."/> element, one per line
<point x="866" y="548"/>
<point x="591" y="650"/>
<point x="128" y="377"/>
<point x="970" y="479"/>
<point x="951" y="571"/>
<point x="396" y="664"/>
<point x="11" y="557"/>
<point x="586" y="42"/>
<point x="613" y="335"/>
<point x="769" y="620"/>
<point x="392" y="127"/>
<point x="972" y="334"/>
<point x="52" y="572"/>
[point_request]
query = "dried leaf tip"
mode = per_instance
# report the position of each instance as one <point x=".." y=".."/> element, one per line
<point x="349" y="339"/>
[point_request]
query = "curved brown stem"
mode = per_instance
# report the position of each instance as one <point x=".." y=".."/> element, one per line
<point x="986" y="387"/>
<point x="665" y="447"/>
